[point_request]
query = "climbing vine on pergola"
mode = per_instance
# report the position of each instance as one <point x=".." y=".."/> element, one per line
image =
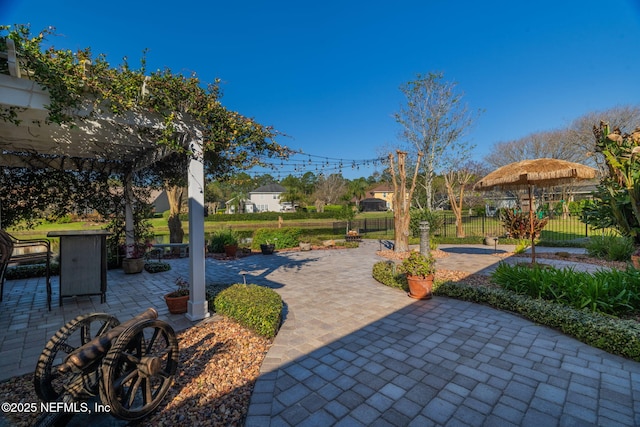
<point x="81" y="81"/>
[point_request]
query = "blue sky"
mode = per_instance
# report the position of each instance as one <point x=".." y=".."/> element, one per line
<point x="328" y="73"/>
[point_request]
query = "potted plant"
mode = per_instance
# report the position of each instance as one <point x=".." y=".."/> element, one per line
<point x="225" y="241"/>
<point x="134" y="257"/>
<point x="305" y="245"/>
<point x="178" y="299"/>
<point x="267" y="248"/>
<point x="419" y="270"/>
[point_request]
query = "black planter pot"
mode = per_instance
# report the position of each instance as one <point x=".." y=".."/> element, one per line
<point x="267" y="249"/>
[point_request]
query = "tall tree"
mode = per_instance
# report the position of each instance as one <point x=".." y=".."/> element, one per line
<point x="402" y="199"/>
<point x="358" y="189"/>
<point x="434" y="120"/>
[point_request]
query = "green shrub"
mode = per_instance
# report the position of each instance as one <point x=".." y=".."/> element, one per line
<point x="436" y="221"/>
<point x="253" y="306"/>
<point x="32" y="270"/>
<point x="264" y="216"/>
<point x="287" y="237"/>
<point x="157" y="267"/>
<point x="387" y="273"/>
<point x="610" y="247"/>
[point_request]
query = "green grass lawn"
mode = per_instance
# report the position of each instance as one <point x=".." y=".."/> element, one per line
<point x="476" y="228"/>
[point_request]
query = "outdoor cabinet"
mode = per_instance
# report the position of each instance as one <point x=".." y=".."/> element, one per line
<point x="83" y="263"/>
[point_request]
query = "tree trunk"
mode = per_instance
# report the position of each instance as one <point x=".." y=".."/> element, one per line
<point x="402" y="200"/>
<point x="175" y="196"/>
<point x="450" y="180"/>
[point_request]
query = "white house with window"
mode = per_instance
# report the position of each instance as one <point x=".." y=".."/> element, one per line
<point x="266" y="199"/>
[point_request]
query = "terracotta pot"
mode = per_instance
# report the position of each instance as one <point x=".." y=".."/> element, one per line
<point x="230" y="250"/>
<point x="177" y="305"/>
<point x="420" y="287"/>
<point x="635" y="259"/>
<point x="133" y="265"/>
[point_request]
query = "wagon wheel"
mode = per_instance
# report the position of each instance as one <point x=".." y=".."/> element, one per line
<point x="139" y="369"/>
<point x="49" y="382"/>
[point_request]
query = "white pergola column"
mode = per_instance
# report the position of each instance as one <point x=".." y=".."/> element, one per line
<point x="198" y="308"/>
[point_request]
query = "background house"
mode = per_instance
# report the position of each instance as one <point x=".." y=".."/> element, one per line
<point x="382" y="192"/>
<point x="267" y="199"/>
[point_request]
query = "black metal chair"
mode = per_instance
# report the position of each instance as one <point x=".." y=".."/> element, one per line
<point x="9" y="244"/>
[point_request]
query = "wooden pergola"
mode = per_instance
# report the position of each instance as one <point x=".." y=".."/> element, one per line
<point x="101" y="141"/>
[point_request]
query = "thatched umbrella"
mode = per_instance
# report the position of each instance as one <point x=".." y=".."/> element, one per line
<point x="538" y="172"/>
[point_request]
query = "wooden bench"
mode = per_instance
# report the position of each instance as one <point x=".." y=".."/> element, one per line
<point x="15" y="251"/>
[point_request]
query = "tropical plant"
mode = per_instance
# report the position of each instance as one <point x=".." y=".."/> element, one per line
<point x="517" y="225"/>
<point x="222" y="238"/>
<point x="616" y="202"/>
<point x="610" y="247"/>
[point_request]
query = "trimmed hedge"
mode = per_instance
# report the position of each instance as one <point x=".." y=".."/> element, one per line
<point x="253" y="306"/>
<point x="613" y="335"/>
<point x="386" y="273"/>
<point x="264" y="216"/>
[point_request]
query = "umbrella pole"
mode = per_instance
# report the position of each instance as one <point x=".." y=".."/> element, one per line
<point x="533" y="244"/>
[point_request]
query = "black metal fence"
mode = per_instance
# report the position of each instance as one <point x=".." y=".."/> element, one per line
<point x="365" y="225"/>
<point x="558" y="228"/>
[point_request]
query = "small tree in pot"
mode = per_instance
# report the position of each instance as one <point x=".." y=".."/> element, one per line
<point x="419" y="270"/>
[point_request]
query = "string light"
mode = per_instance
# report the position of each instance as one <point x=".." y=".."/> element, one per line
<point x="300" y="163"/>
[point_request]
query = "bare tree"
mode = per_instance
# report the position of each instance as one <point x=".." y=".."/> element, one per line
<point x="402" y="199"/>
<point x="434" y="121"/>
<point x="555" y="144"/>
<point x="574" y="143"/>
<point x="330" y="189"/>
<point x="580" y="132"/>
